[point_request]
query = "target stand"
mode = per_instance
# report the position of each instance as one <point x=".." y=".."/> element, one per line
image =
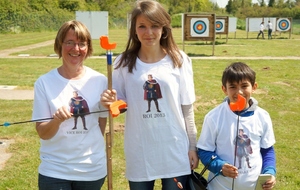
<point x="284" y="25"/>
<point x="199" y="27"/>
<point x="222" y="25"/>
<point x="281" y="25"/>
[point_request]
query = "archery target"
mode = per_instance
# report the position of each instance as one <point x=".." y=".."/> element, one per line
<point x="220" y="25"/>
<point x="283" y="24"/>
<point x="199" y="27"/>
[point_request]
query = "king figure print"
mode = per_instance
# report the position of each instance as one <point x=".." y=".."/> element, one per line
<point x="152" y="92"/>
<point x="79" y="107"/>
<point x="243" y="148"/>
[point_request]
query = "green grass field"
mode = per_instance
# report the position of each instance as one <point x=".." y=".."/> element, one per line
<point x="278" y="93"/>
<point x="238" y="44"/>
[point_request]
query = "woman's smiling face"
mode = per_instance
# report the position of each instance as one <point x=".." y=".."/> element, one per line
<point x="73" y="52"/>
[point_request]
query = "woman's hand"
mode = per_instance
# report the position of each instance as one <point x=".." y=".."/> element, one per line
<point x="47" y="130"/>
<point x="62" y="114"/>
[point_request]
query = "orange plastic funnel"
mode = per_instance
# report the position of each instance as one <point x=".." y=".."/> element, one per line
<point x="239" y="105"/>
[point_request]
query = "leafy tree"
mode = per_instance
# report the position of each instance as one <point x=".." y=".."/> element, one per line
<point x="109" y="5"/>
<point x="244" y="3"/>
<point x="184" y="6"/>
<point x="232" y="6"/>
<point x="229" y="7"/>
<point x="70" y="5"/>
<point x="271" y="3"/>
<point x="91" y="6"/>
<point x="290" y="3"/>
<point x="262" y="3"/>
<point x="38" y="15"/>
<point x="280" y="3"/>
<point x="296" y="12"/>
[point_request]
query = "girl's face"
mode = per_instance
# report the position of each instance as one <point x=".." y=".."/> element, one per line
<point x="149" y="34"/>
<point x="243" y="88"/>
<point x="73" y="51"/>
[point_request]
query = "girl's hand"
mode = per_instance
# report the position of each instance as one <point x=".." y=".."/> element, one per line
<point x="108" y="97"/>
<point x="194" y="160"/>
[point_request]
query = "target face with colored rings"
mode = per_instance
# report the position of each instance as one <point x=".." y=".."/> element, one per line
<point x="220" y="25"/>
<point x="199" y="27"/>
<point x="283" y="24"/>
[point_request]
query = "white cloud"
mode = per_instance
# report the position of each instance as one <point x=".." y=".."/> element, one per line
<point x="223" y="3"/>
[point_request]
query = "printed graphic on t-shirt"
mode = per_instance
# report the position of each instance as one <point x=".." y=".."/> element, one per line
<point x="243" y="149"/>
<point x="79" y="107"/>
<point x="152" y="92"/>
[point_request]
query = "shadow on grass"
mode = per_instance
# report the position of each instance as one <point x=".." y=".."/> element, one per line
<point x="203" y="43"/>
<point x="198" y="55"/>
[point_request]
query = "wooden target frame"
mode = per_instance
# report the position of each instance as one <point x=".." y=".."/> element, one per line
<point x="280" y="24"/>
<point x="284" y="25"/>
<point x="222" y="24"/>
<point x="199" y="27"/>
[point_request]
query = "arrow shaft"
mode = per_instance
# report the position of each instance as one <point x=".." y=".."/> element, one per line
<point x="38" y="120"/>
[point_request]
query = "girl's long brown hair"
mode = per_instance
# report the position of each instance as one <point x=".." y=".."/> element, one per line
<point x="157" y="15"/>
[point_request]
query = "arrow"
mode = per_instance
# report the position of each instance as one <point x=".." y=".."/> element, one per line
<point x="115" y="109"/>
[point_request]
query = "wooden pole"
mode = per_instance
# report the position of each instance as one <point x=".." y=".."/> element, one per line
<point x="109" y="134"/>
<point x="104" y="43"/>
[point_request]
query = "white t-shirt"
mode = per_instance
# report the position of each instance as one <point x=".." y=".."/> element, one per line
<point x="262" y="27"/>
<point x="219" y="134"/>
<point x="156" y="143"/>
<point x="270" y="26"/>
<point x="72" y="154"/>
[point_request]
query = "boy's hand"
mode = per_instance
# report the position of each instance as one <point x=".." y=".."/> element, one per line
<point x="230" y="171"/>
<point x="270" y="184"/>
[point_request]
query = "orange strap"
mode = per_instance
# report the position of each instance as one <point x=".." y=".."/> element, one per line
<point x="117" y="107"/>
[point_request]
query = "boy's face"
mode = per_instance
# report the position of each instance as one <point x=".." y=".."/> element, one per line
<point x="243" y="88"/>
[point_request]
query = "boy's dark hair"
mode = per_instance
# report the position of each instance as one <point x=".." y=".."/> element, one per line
<point x="237" y="72"/>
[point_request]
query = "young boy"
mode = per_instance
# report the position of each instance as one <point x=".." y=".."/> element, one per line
<point x="243" y="150"/>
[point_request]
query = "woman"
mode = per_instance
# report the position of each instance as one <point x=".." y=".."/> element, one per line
<point x="72" y="154"/>
<point x="159" y="143"/>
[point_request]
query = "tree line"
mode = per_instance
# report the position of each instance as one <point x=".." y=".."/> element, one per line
<point x="40" y="15"/>
<point x="264" y="8"/>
